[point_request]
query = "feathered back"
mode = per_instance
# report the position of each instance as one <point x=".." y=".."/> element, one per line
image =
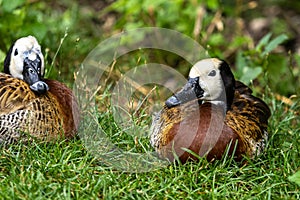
<point x="46" y="116"/>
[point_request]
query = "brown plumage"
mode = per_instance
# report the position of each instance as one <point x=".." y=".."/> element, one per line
<point x="38" y="108"/>
<point x="207" y="124"/>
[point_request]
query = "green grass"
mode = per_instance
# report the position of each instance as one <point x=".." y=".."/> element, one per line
<point x="65" y="170"/>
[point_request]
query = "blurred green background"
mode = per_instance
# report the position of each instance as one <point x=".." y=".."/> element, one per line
<point x="261" y="40"/>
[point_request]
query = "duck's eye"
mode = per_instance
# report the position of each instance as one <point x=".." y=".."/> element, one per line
<point x="212" y="73"/>
<point x="16" y="52"/>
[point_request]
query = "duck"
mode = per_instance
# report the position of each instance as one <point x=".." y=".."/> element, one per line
<point x="211" y="117"/>
<point x="32" y="107"/>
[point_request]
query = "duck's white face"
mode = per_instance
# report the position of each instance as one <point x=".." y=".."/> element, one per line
<point x="25" y="48"/>
<point x="210" y="79"/>
<point x="25" y="61"/>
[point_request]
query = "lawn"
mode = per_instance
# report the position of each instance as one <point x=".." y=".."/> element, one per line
<point x="267" y="60"/>
<point x="65" y="169"/>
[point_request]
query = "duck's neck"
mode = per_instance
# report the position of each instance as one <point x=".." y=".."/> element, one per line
<point x="224" y="102"/>
<point x="220" y="104"/>
<point x="229" y="101"/>
<point x="228" y="96"/>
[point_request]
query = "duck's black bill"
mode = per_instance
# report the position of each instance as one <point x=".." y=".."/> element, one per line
<point x="189" y="92"/>
<point x="32" y="75"/>
<point x="40" y="87"/>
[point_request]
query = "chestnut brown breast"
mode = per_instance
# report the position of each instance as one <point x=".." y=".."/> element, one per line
<point x="199" y="129"/>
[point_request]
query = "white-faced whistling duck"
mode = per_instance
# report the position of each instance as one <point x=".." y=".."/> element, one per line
<point x="211" y="115"/>
<point x="31" y="106"/>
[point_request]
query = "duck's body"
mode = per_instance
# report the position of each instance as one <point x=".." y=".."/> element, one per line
<point x="208" y="127"/>
<point x="49" y="113"/>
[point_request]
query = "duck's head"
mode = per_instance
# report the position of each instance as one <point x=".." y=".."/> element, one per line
<point x="25" y="61"/>
<point x="210" y="80"/>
